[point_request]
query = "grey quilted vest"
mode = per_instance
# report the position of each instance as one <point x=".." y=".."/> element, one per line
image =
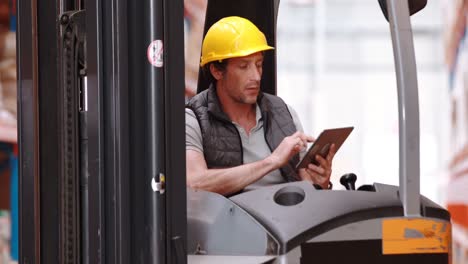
<point x="222" y="144"/>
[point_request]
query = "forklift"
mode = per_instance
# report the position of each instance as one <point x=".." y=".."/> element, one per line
<point x="102" y="156"/>
<point x="297" y="223"/>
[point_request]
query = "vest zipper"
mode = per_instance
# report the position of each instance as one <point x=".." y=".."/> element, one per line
<point x="242" y="146"/>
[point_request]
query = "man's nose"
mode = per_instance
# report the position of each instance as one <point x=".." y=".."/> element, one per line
<point x="256" y="73"/>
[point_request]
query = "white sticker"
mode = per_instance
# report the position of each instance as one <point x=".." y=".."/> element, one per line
<point x="154" y="185"/>
<point x="155" y="53"/>
<point x="158" y="186"/>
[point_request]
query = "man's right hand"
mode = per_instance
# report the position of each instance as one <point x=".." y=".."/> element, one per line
<point x="289" y="147"/>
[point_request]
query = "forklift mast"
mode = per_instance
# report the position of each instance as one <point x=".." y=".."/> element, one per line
<point x="101" y="128"/>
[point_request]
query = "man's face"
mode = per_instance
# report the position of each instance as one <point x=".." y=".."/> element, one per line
<point x="241" y="79"/>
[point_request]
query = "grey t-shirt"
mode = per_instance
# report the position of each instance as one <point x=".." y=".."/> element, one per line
<point x="254" y="145"/>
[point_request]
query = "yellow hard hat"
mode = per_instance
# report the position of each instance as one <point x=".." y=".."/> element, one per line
<point x="232" y="37"/>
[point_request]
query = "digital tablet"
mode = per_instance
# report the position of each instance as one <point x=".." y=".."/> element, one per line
<point x="322" y="145"/>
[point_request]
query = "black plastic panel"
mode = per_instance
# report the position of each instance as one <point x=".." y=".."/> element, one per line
<point x="414" y="6"/>
<point x="362" y="252"/>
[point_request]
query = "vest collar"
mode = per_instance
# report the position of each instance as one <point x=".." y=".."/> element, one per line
<point x="214" y="106"/>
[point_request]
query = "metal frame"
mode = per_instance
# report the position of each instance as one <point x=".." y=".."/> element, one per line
<point x="116" y="183"/>
<point x="29" y="247"/>
<point x="111" y="67"/>
<point x="96" y="232"/>
<point x="47" y="84"/>
<point x="176" y="205"/>
<point x="408" y="106"/>
<point x="156" y="127"/>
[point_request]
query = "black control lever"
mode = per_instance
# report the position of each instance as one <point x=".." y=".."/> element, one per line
<point x="348" y="180"/>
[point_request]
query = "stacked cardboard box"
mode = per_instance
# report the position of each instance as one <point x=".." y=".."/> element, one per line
<point x="456" y="53"/>
<point x="4" y="237"/>
<point x="195" y="20"/>
<point x="8" y="117"/>
<point x="8" y="81"/>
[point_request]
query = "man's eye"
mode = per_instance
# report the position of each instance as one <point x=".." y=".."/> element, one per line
<point x="243" y="66"/>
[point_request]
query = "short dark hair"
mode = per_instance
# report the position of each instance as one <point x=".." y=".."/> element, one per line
<point x="220" y="65"/>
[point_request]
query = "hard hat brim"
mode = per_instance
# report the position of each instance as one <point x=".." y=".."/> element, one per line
<point x="235" y="55"/>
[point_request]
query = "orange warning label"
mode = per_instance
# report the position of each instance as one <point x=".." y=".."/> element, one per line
<point x="413" y="236"/>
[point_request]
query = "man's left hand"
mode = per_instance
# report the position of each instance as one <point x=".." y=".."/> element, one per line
<point x="320" y="174"/>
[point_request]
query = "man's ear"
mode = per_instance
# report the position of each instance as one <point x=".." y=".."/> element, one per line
<point x="217" y="74"/>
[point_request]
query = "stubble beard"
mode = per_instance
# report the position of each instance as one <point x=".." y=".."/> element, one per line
<point x="247" y="99"/>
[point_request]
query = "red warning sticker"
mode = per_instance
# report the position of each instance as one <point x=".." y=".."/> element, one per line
<point x="155" y="53"/>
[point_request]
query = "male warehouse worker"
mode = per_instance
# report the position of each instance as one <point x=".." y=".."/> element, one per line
<point x="238" y="138"/>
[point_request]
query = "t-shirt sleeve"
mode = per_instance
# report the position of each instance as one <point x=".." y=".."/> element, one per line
<point x="193" y="137"/>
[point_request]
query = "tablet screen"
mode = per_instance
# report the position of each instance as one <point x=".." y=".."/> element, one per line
<point x="322" y="144"/>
